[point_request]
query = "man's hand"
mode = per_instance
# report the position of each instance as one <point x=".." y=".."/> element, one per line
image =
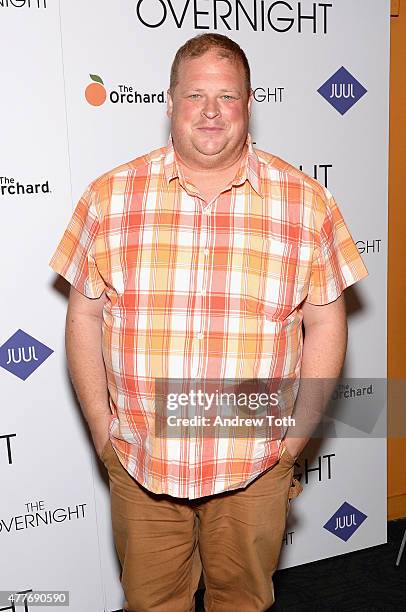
<point x="324" y="350"/>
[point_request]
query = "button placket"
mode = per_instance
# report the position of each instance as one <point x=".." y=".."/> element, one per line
<point x="203" y="265"/>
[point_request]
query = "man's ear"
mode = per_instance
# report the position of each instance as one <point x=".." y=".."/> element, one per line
<point x="169" y="103"/>
<point x="250" y="99"/>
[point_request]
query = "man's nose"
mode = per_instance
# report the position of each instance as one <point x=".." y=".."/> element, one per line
<point x="210" y="108"/>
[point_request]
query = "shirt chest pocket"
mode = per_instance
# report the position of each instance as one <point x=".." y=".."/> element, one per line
<point x="277" y="274"/>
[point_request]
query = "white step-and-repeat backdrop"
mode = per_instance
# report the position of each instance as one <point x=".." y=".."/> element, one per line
<point x="84" y="89"/>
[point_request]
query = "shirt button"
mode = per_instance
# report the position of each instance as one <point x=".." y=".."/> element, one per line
<point x="200" y="336"/>
<point x="206" y="252"/>
<point x="203" y="292"/>
<point x="206" y="211"/>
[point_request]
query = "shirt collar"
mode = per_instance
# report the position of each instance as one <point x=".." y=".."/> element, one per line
<point x="249" y="169"/>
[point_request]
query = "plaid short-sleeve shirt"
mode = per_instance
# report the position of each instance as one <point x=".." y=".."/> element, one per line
<point x="202" y="290"/>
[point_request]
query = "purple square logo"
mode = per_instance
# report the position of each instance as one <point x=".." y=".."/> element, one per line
<point x="22" y="354"/>
<point x="342" y="90"/>
<point x="345" y="521"/>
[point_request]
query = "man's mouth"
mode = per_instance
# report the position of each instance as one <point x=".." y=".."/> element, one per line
<point x="207" y="128"/>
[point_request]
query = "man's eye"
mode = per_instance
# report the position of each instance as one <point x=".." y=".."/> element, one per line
<point x="194" y="96"/>
<point x="227" y="97"/>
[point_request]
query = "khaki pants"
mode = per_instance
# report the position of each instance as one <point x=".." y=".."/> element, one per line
<point x="165" y="542"/>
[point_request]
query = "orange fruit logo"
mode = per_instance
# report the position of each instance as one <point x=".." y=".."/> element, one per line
<point x="95" y="93"/>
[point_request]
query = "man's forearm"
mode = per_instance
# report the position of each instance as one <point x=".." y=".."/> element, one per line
<point x="88" y="374"/>
<point x="323" y="357"/>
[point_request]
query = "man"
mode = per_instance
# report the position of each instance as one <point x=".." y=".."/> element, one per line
<point x="201" y="260"/>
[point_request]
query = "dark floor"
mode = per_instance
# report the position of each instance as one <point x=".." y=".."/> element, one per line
<point x="362" y="581"/>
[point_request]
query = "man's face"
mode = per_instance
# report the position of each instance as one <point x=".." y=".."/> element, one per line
<point x="209" y="111"/>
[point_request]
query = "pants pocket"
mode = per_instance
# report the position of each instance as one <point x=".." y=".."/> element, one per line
<point x="287" y="458"/>
<point x="105" y="451"/>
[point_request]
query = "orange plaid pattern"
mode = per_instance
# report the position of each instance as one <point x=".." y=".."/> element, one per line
<point x="201" y="290"/>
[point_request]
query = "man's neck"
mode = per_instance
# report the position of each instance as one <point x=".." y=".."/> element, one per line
<point x="211" y="182"/>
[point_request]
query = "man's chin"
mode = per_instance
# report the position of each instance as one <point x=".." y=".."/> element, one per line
<point x="209" y="145"/>
<point x="209" y="154"/>
<point x="209" y="150"/>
